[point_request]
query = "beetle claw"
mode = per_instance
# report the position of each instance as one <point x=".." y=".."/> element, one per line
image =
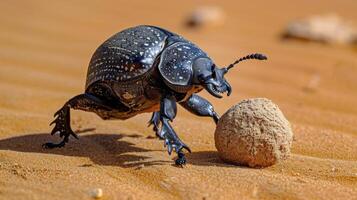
<point x="62" y="127"/>
<point x="181" y="159"/>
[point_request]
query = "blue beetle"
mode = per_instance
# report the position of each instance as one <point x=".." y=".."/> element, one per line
<point x="148" y="69"/>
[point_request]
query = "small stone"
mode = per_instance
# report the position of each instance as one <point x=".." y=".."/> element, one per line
<point x="333" y="169"/>
<point x="325" y="29"/>
<point x="97" y="193"/>
<point x="205" y="16"/>
<point x="254" y="133"/>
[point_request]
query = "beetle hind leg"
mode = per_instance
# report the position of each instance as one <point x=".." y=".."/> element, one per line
<point x="86" y="102"/>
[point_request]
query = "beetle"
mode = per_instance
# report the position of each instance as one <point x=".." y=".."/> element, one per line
<point x="148" y="69"/>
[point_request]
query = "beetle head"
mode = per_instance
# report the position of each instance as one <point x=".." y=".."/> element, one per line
<point x="207" y="74"/>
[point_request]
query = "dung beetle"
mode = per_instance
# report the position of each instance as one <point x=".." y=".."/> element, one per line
<point x="148" y="69"/>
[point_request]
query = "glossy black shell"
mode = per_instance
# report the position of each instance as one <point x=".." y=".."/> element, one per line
<point x="128" y="56"/>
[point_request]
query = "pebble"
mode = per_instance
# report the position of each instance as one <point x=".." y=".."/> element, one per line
<point x="333" y="169"/>
<point x="97" y="193"/>
<point x="205" y="16"/>
<point x="325" y="28"/>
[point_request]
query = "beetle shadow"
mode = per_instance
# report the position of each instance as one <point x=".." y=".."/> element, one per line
<point x="102" y="149"/>
<point x="105" y="149"/>
<point x="209" y="158"/>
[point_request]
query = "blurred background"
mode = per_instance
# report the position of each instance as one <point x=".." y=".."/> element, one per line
<point x="46" y="47"/>
<point x="311" y="73"/>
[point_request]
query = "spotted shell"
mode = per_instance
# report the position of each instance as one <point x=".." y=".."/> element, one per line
<point x="126" y="55"/>
<point x="176" y="64"/>
<point x="129" y="54"/>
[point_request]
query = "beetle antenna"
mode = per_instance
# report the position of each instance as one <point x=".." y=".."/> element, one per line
<point x="257" y="56"/>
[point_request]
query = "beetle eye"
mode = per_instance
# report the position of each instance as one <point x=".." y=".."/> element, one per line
<point x="213" y="67"/>
<point x="214" y="74"/>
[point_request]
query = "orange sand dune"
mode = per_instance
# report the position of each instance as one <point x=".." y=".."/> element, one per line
<point x="44" y="51"/>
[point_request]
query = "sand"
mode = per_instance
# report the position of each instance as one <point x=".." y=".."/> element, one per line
<point x="44" y="52"/>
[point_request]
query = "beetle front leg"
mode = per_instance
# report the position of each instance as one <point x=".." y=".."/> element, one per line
<point x="168" y="112"/>
<point x="200" y="106"/>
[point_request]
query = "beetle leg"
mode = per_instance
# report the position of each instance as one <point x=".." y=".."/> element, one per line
<point x="168" y="111"/>
<point x="62" y="125"/>
<point x="62" y="121"/>
<point x="155" y="121"/>
<point x="200" y="106"/>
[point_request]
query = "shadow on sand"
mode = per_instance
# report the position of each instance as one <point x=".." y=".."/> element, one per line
<point x="208" y="158"/>
<point x="104" y="149"/>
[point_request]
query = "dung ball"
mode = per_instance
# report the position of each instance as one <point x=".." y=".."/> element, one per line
<point x="254" y="133"/>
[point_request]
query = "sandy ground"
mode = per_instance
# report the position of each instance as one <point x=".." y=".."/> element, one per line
<point x="44" y="51"/>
